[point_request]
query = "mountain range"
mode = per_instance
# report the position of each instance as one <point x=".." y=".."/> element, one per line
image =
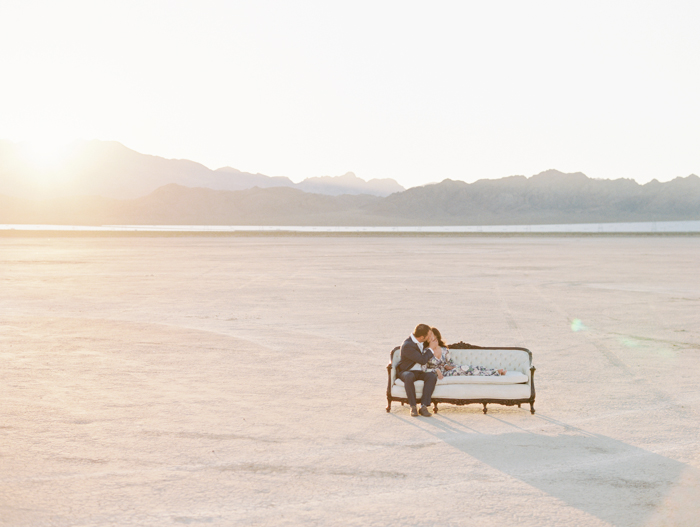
<point x="111" y="170"/>
<point x="105" y="183"/>
<point x="548" y="197"/>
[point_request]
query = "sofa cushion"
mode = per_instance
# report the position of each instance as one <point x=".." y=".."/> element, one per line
<point x="469" y="391"/>
<point x="511" y="377"/>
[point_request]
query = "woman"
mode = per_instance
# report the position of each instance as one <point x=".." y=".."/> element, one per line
<point x="445" y="367"/>
<point x="444" y="364"/>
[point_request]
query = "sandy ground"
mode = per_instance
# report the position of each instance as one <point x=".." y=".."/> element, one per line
<point x="241" y="381"/>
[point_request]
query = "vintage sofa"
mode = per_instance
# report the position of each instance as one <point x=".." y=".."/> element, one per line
<point x="514" y="388"/>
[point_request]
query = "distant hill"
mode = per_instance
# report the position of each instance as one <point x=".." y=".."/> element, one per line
<point x="237" y="180"/>
<point x="549" y="197"/>
<point x="178" y="205"/>
<point x="349" y="184"/>
<point x="98" y="168"/>
<point x="109" y="169"/>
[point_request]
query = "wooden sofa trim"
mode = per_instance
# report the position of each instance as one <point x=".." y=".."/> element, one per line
<point x="462" y="402"/>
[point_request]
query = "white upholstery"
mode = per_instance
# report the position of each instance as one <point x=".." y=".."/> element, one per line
<point x="469" y="391"/>
<point x="511" y="377"/>
<point x="514" y="385"/>
<point x="511" y="360"/>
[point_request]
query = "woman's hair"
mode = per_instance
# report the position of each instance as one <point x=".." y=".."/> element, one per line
<point x="436" y="332"/>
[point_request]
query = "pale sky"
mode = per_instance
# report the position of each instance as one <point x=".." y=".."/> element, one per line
<point x="415" y="91"/>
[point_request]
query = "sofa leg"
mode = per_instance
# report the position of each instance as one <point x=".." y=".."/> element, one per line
<point x="519" y="405"/>
<point x="532" y="408"/>
<point x="484" y="407"/>
<point x="434" y="408"/>
<point x="401" y="403"/>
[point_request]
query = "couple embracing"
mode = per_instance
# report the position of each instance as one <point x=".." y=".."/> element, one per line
<point x="424" y="344"/>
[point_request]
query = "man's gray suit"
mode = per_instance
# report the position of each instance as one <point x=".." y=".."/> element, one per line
<point x="411" y="354"/>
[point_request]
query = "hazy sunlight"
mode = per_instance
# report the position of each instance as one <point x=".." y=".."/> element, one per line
<point x="44" y="154"/>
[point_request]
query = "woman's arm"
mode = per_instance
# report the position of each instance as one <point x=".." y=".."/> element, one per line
<point x="449" y="364"/>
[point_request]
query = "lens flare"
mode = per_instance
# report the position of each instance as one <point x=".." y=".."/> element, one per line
<point x="577" y="325"/>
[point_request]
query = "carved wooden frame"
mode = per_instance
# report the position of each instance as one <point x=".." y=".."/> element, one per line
<point x="461" y="402"/>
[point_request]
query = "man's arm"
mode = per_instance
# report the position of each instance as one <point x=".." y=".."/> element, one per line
<point x="410" y="351"/>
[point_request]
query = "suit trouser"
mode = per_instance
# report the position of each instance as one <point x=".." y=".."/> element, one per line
<point x="429" y="379"/>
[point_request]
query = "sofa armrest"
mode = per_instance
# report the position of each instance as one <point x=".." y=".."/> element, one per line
<point x="388" y="384"/>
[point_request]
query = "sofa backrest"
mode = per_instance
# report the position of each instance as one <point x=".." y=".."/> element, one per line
<point x="513" y="359"/>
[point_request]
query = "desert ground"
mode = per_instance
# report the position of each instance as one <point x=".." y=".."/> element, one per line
<point x="241" y="381"/>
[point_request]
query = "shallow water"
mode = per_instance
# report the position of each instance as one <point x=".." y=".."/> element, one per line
<point x="633" y="227"/>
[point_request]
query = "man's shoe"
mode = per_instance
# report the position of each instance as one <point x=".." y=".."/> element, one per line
<point x="424" y="411"/>
<point x="414" y="411"/>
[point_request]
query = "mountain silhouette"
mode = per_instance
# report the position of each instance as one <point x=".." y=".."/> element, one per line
<point x="349" y="184"/>
<point x="111" y="170"/>
<point x="546" y="198"/>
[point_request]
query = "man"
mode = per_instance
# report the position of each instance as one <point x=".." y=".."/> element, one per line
<point x="409" y="368"/>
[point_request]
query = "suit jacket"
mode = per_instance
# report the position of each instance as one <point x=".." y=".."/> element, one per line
<point x="411" y="354"/>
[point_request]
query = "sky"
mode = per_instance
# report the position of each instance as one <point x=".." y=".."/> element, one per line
<point x="415" y="91"/>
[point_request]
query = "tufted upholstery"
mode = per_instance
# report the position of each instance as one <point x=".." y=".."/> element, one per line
<point x="511" y="360"/>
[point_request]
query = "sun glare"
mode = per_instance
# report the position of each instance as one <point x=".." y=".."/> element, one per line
<point x="44" y="154"/>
